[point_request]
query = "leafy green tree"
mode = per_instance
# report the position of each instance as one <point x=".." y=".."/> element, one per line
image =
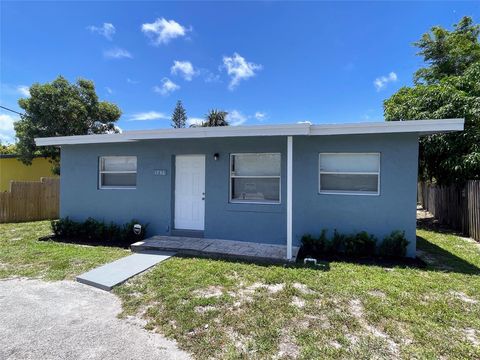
<point x="179" y="116"/>
<point x="448" y="53"/>
<point x="215" y="118"/>
<point x="449" y="87"/>
<point x="61" y="108"/>
<point x="8" y="149"/>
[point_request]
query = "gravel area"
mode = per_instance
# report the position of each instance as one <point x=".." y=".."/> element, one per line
<point x="68" y="320"/>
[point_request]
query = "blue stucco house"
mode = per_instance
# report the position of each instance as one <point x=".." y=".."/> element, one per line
<point x="268" y="184"/>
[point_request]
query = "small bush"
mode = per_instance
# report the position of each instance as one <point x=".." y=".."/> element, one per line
<point x="337" y="244"/>
<point x="65" y="227"/>
<point x="361" y="244"/>
<point x="394" y="245"/>
<point x="315" y="245"/>
<point x="92" y="230"/>
<point x="307" y="240"/>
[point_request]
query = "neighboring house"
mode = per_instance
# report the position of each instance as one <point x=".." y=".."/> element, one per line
<point x="266" y="184"/>
<point x="13" y="169"/>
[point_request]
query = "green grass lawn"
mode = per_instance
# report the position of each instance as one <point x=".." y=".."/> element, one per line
<point x="222" y="309"/>
<point x="22" y="254"/>
<point x="225" y="309"/>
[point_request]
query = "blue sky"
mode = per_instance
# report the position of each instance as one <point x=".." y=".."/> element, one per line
<point x="263" y="62"/>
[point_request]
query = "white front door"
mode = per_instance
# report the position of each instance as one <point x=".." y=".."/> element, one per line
<point x="190" y="192"/>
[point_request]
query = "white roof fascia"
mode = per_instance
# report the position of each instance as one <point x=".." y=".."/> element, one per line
<point x="81" y="139"/>
<point x="221" y="131"/>
<point x="418" y="126"/>
<point x="421" y="127"/>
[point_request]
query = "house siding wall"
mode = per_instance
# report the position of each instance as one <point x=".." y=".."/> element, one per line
<point x="393" y="209"/>
<point x="152" y="201"/>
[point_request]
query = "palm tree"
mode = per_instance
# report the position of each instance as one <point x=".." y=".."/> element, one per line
<point x="215" y="118"/>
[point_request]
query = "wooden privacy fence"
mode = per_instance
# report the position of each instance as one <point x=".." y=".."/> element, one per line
<point x="455" y="206"/>
<point x="30" y="200"/>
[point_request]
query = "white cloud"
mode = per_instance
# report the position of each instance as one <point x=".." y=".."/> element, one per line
<point x="108" y="90"/>
<point x="382" y="81"/>
<point x="210" y="77"/>
<point x="23" y="90"/>
<point x="14" y="90"/>
<point x="107" y="30"/>
<point x="236" y="118"/>
<point x="195" y="121"/>
<point x="162" y="30"/>
<point x="239" y="69"/>
<point x="167" y="87"/>
<point x="185" y="68"/>
<point x="7" y="132"/>
<point x="117" y="53"/>
<point x="149" y="115"/>
<point x="304" y="122"/>
<point x="133" y="82"/>
<point x="260" y="115"/>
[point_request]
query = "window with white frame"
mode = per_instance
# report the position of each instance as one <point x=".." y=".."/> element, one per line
<point x="349" y="173"/>
<point x="255" y="178"/>
<point x="117" y="172"/>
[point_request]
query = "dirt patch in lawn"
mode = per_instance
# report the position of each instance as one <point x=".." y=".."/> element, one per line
<point x="356" y="309"/>
<point x="209" y="292"/>
<point x="287" y="349"/>
<point x="302" y="288"/>
<point x="377" y="293"/>
<point x="463" y="297"/>
<point x="471" y="335"/>
<point x="271" y="288"/>
<point x="245" y="294"/>
<point x="298" y="302"/>
<point x="204" y="309"/>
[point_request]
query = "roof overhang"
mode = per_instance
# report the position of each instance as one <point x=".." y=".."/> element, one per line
<point x="422" y="127"/>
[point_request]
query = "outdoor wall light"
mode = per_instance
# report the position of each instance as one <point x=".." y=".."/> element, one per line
<point x="216" y="156"/>
<point x="137" y="229"/>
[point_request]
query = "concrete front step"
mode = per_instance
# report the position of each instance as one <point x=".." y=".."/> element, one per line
<point x="109" y="275"/>
<point x="216" y="248"/>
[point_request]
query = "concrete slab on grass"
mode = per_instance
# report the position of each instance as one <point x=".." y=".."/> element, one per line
<point x="107" y="276"/>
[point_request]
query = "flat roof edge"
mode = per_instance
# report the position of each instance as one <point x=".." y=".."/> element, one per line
<point x="421" y="127"/>
<point x="414" y="126"/>
<point x="81" y="139"/>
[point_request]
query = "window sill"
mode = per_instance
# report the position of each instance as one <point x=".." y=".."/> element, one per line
<point x="117" y="188"/>
<point x="255" y="207"/>
<point x="253" y="202"/>
<point x="348" y="193"/>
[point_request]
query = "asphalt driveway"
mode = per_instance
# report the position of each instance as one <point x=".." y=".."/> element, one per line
<point x="68" y="320"/>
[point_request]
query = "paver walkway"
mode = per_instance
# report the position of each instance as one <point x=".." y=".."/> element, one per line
<point x="107" y="276"/>
<point x="216" y="248"/>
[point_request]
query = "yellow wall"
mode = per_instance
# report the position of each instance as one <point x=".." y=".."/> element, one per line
<point x="12" y="169"/>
